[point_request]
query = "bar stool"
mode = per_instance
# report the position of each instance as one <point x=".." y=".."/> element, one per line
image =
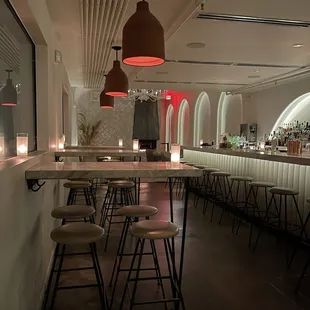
<point x="76" y="187"/>
<point x="121" y="188"/>
<point x="253" y="208"/>
<point x="131" y="213"/>
<point x="207" y="185"/>
<point x="75" y="234"/>
<point x="281" y="192"/>
<point x="154" y="230"/>
<point x="74" y="212"/>
<point x="199" y="183"/>
<point x="221" y="186"/>
<point x="306" y="243"/>
<point x="239" y="180"/>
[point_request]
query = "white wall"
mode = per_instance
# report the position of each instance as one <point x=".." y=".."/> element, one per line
<point x="191" y="98"/>
<point x="265" y="106"/>
<point x="25" y="216"/>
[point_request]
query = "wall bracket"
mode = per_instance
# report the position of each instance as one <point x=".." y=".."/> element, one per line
<point x="34" y="185"/>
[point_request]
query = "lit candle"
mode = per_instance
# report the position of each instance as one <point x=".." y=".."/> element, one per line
<point x="135" y="144"/>
<point x="120" y="142"/>
<point x="175" y="153"/>
<point x="61" y="142"/>
<point x="2" y="146"/>
<point x="22" y="144"/>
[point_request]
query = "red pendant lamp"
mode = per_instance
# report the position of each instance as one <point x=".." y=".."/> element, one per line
<point x="106" y="102"/>
<point x="9" y="94"/>
<point x="143" y="39"/>
<point x="116" y="84"/>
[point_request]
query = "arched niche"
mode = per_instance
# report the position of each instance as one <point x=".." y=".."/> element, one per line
<point x="299" y="109"/>
<point x="169" y="124"/>
<point x="202" y="119"/>
<point x="229" y="115"/>
<point x="183" y="123"/>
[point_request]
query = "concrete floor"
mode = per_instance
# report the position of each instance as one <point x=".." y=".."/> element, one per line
<point x="220" y="271"/>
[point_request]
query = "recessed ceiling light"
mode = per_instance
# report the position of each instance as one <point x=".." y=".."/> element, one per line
<point x="253" y="76"/>
<point x="298" y="45"/>
<point x="196" y="45"/>
<point x="256" y="71"/>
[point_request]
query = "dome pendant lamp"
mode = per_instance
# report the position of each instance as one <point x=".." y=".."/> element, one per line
<point x="106" y="102"/>
<point x="116" y="84"/>
<point x="143" y="39"/>
<point x="9" y="94"/>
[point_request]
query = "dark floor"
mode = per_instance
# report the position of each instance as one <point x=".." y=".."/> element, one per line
<point x="220" y="271"/>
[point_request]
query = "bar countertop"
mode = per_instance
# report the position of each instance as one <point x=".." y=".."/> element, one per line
<point x="303" y="159"/>
<point x="63" y="170"/>
<point x="99" y="152"/>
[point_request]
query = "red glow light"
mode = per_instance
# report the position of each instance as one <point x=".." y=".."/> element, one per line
<point x="9" y="104"/>
<point x="143" y="61"/>
<point x="117" y="94"/>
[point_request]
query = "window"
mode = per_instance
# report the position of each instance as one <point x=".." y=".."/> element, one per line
<point x="17" y="81"/>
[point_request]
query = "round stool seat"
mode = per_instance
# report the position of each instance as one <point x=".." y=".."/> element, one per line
<point x="137" y="211"/>
<point x="261" y="184"/>
<point x="153" y="229"/>
<point x="79" y="179"/>
<point x="283" y="191"/>
<point x="221" y="174"/>
<point x="210" y="170"/>
<point x="190" y="164"/>
<point x="73" y="212"/>
<point x="77" y="184"/>
<point x="77" y="233"/>
<point x="308" y="200"/>
<point x="241" y="178"/>
<point x="201" y="166"/>
<point x="121" y="184"/>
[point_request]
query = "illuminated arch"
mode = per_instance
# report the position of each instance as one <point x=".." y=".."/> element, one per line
<point x="169" y="122"/>
<point x="202" y="119"/>
<point x="183" y="121"/>
<point x="295" y="110"/>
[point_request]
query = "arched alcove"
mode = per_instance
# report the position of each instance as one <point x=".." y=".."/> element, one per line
<point x="229" y="115"/>
<point x="202" y="119"/>
<point x="299" y="109"/>
<point x="169" y="122"/>
<point x="183" y="123"/>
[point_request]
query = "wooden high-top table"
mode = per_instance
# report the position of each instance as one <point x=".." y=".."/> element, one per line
<point x="135" y="170"/>
<point x="97" y="152"/>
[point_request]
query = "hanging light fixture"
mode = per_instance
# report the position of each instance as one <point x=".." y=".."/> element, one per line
<point x="106" y="102"/>
<point x="116" y="84"/>
<point x="9" y="93"/>
<point x="143" y="39"/>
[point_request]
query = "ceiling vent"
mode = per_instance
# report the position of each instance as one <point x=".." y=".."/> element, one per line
<point x="231" y="64"/>
<point x="252" y="19"/>
<point x="188" y="82"/>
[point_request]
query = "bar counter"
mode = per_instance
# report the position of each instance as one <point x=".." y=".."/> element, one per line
<point x="282" y="169"/>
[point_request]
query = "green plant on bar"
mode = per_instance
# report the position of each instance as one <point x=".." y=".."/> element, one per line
<point x="87" y="131"/>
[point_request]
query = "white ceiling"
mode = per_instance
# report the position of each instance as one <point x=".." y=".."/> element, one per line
<point x="263" y="50"/>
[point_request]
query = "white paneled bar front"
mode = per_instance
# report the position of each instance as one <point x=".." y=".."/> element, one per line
<point x="279" y="169"/>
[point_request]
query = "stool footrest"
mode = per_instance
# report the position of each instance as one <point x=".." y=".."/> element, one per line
<point x="148" y="278"/>
<point x="74" y="269"/>
<point x="160" y="301"/>
<point x="141" y="269"/>
<point x="77" y="286"/>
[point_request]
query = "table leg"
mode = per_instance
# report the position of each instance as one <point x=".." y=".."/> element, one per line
<point x="184" y="226"/>
<point x="187" y="191"/>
